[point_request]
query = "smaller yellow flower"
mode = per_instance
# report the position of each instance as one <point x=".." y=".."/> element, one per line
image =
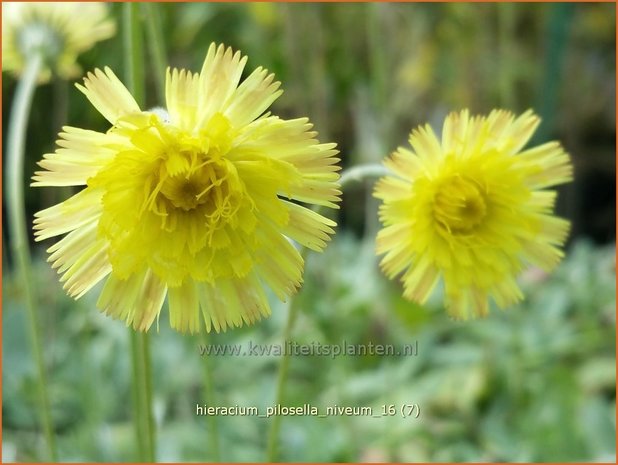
<point x="59" y="31"/>
<point x="472" y="209"/>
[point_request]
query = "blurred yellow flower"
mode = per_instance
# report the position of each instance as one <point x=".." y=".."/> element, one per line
<point x="58" y="30"/>
<point x="189" y="201"/>
<point x="471" y="209"/>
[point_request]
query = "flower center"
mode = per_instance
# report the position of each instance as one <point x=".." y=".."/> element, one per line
<point x="206" y="187"/>
<point x="170" y="197"/>
<point x="189" y="175"/>
<point x="187" y="191"/>
<point x="459" y="206"/>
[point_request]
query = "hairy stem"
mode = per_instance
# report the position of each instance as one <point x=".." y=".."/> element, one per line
<point x="361" y="173"/>
<point x="16" y="210"/>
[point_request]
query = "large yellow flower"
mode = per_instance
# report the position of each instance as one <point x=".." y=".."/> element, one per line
<point x="60" y="31"/>
<point x="471" y="209"/>
<point x="197" y="201"/>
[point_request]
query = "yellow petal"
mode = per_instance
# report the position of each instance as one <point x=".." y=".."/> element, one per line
<point x="218" y="80"/>
<point x="108" y="95"/>
<point x="181" y="89"/>
<point x="81" y="209"/>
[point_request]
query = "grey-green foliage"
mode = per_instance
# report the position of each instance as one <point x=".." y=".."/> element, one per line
<point x="533" y="383"/>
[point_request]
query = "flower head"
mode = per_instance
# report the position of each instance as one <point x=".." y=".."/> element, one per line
<point x="472" y="209"/>
<point x="197" y="201"/>
<point x="58" y="30"/>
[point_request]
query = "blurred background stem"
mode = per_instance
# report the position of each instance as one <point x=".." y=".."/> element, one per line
<point x="156" y="47"/>
<point x="557" y="39"/>
<point x="506" y="25"/>
<point x="134" y="65"/>
<point x="142" y="382"/>
<point x="18" y="125"/>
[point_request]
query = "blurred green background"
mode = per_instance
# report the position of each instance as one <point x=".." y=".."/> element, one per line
<point x="534" y="383"/>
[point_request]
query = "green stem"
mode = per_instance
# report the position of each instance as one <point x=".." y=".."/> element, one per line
<point x="362" y="172"/>
<point x="147" y="391"/>
<point x="213" y="437"/>
<point x="142" y="376"/>
<point x="135" y="392"/>
<point x="18" y="124"/>
<point x="354" y="174"/>
<point x="156" y="46"/>
<point x="282" y="377"/>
